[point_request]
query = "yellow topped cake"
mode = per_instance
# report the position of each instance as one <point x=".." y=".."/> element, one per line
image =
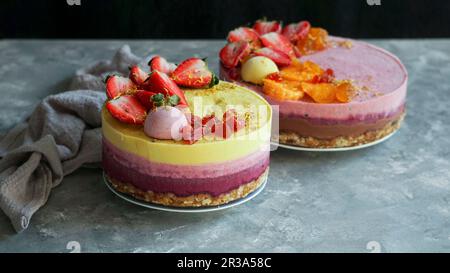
<point x="208" y="148"/>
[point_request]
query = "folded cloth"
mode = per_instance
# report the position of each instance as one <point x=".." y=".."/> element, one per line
<point x="62" y="134"/>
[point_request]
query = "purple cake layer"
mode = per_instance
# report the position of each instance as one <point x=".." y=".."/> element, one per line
<point x="304" y="127"/>
<point x="367" y="119"/>
<point x="213" y="179"/>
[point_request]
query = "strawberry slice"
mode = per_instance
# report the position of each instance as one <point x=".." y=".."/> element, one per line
<point x="127" y="109"/>
<point x="162" y="65"/>
<point x="137" y="75"/>
<point x="194" y="73"/>
<point x="159" y="82"/>
<point x="296" y="31"/>
<point x="233" y="53"/>
<point x="145" y="98"/>
<point x="243" y="34"/>
<point x="117" y="86"/>
<point x="263" y="27"/>
<point x="279" y="42"/>
<point x="279" y="57"/>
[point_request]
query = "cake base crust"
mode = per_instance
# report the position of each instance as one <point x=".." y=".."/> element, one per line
<point x="196" y="200"/>
<point x="292" y="138"/>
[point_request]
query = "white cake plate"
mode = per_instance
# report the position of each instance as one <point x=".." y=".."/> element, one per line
<point x="184" y="209"/>
<point x="343" y="149"/>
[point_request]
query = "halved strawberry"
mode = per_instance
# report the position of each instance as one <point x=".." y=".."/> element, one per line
<point x="161" y="64"/>
<point x="137" y="75"/>
<point x="159" y="82"/>
<point x="243" y="34"/>
<point x="194" y="73"/>
<point x="145" y="97"/>
<point x="117" y="86"/>
<point x="296" y="31"/>
<point x="279" y="57"/>
<point x="279" y="42"/>
<point x="233" y="53"/>
<point x="263" y="27"/>
<point x="127" y="109"/>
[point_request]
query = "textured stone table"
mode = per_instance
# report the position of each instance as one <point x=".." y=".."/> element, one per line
<point x="395" y="196"/>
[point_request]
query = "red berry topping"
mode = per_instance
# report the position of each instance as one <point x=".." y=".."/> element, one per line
<point x="137" y="75"/>
<point x="194" y="73"/>
<point x="117" y="86"/>
<point x="127" y="109"/>
<point x="243" y="34"/>
<point x="279" y="42"/>
<point x="233" y="53"/>
<point x="277" y="56"/>
<point x="162" y="65"/>
<point x="159" y="82"/>
<point x="297" y="31"/>
<point x="145" y="98"/>
<point x="262" y="27"/>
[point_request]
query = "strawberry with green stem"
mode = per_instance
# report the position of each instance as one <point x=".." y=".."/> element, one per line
<point x="194" y="73"/>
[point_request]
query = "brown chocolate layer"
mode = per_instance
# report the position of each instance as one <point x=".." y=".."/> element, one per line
<point x="304" y="127"/>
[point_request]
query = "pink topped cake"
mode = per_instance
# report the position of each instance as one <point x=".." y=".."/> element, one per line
<point x="331" y="92"/>
<point x="205" y="144"/>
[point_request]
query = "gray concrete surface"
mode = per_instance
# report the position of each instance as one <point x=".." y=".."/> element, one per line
<point x="394" y="197"/>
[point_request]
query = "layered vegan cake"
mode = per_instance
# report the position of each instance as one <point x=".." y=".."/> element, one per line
<point x="331" y="92"/>
<point x="204" y="144"/>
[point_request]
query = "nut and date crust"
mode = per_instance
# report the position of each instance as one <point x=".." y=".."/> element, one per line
<point x="196" y="200"/>
<point x="292" y="138"/>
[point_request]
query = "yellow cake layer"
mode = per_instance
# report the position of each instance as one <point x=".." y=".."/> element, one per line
<point x="202" y="102"/>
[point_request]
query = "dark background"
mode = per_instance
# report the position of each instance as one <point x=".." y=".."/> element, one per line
<point x="214" y="18"/>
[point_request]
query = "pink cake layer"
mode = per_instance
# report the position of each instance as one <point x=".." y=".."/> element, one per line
<point x="380" y="76"/>
<point x="182" y="180"/>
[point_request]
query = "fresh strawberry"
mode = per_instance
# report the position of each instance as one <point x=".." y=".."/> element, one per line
<point x="137" y="75"/>
<point x="159" y="82"/>
<point x="162" y="65"/>
<point x="279" y="42"/>
<point x="117" y="86"/>
<point x="194" y="73"/>
<point x="279" y="57"/>
<point x="233" y="53"/>
<point x="127" y="109"/>
<point x="263" y="27"/>
<point x="296" y="31"/>
<point x="303" y="29"/>
<point x="243" y="34"/>
<point x="145" y="97"/>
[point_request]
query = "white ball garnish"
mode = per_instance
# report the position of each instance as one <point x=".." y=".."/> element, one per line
<point x="255" y="69"/>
